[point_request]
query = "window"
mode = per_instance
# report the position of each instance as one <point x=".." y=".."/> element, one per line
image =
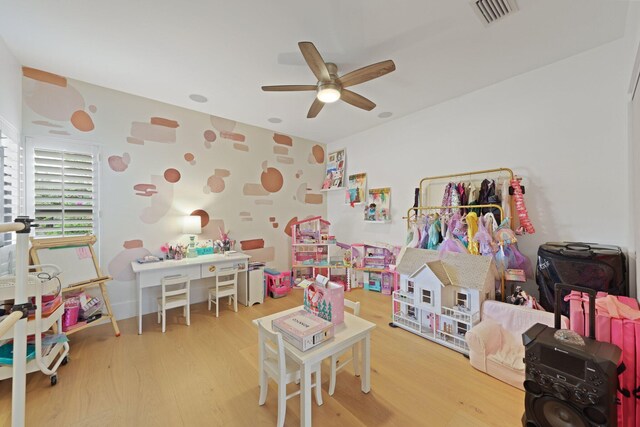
<point x="426" y="296"/>
<point x="411" y="312"/>
<point x="410" y="286"/>
<point x="10" y="171"/>
<point x="462" y="299"/>
<point x="462" y="328"/>
<point x="63" y="188"/>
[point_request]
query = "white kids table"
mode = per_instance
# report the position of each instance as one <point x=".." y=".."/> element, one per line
<point x="353" y="330"/>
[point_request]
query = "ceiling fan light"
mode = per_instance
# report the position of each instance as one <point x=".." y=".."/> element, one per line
<point x="328" y="93"/>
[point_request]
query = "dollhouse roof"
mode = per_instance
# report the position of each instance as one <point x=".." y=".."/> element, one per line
<point x="411" y="260"/>
<point x="437" y="269"/>
<point x="470" y="271"/>
<point x="315" y="218"/>
<point x="463" y="270"/>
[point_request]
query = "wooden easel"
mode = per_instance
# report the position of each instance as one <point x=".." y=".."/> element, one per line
<point x="80" y="269"/>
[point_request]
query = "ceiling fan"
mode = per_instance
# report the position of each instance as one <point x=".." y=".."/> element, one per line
<point x="330" y="86"/>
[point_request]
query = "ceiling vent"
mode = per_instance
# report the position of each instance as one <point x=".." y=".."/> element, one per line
<point x="492" y="11"/>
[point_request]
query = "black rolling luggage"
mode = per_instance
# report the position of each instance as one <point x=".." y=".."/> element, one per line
<point x="593" y="266"/>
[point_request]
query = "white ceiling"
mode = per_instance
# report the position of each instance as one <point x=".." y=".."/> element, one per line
<point x="225" y="50"/>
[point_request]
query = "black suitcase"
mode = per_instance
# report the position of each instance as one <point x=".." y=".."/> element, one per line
<point x="593" y="266"/>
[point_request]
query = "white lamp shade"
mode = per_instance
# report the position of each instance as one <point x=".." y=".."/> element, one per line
<point x="191" y="225"/>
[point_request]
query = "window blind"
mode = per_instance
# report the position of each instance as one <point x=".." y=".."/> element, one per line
<point x="65" y="193"/>
<point x="10" y="170"/>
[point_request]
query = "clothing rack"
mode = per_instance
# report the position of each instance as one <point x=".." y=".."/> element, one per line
<point x="413" y="213"/>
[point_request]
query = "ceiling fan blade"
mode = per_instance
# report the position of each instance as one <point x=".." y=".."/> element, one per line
<point x="288" y="88"/>
<point x="315" y="61"/>
<point x="315" y="108"/>
<point x="367" y="73"/>
<point x="357" y="100"/>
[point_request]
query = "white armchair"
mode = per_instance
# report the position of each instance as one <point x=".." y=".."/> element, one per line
<point x="495" y="344"/>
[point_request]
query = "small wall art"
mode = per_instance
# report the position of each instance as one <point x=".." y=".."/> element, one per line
<point x="334" y="176"/>
<point x="356" y="189"/>
<point x="378" y="207"/>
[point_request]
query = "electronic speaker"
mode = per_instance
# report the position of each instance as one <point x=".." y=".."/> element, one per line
<point x="570" y="380"/>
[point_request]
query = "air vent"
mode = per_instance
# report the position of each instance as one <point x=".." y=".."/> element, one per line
<point x="492" y="11"/>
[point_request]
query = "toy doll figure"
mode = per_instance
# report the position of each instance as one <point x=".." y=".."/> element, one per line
<point x="371" y="212"/>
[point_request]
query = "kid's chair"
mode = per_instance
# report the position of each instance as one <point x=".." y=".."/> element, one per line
<point x="338" y="361"/>
<point x="274" y="364"/>
<point x="175" y="293"/>
<point x="226" y="286"/>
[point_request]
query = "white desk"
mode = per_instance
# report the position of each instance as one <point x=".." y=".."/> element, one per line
<point x="149" y="274"/>
<point x="353" y="330"/>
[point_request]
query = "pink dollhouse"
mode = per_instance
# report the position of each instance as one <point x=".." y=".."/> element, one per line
<point x="440" y="299"/>
<point x="315" y="251"/>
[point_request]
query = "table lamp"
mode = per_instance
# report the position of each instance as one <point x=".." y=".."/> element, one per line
<point x="191" y="225"/>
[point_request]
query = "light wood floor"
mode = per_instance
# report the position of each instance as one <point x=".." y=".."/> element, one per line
<point x="206" y="375"/>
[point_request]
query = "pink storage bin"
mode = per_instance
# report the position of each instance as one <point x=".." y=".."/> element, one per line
<point x="71" y="313"/>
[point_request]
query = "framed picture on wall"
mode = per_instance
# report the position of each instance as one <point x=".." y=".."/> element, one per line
<point x="378" y="207"/>
<point x="356" y="189"/>
<point x="334" y="176"/>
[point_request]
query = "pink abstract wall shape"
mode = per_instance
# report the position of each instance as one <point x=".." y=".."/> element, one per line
<point x="51" y="96"/>
<point x="120" y="266"/>
<point x="160" y="202"/>
<point x="282" y="139"/>
<point x="118" y="163"/>
<point x="146" y="190"/>
<point x="157" y="130"/>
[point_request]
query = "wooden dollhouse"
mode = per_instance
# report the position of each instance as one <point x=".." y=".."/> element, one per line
<point x="440" y="298"/>
<point x="373" y="266"/>
<point x="315" y="251"/>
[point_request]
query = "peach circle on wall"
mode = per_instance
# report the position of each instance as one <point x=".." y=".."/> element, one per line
<point x="215" y="184"/>
<point x="318" y="153"/>
<point x="209" y="135"/>
<point x="172" y="175"/>
<point x="118" y="163"/>
<point x="272" y="180"/>
<point x="204" y="217"/>
<point x="189" y="157"/>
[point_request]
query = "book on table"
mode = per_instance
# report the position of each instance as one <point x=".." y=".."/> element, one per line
<point x="303" y="330"/>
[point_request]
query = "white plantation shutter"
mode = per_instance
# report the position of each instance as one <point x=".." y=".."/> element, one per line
<point x="64" y="192"/>
<point x="10" y="170"/>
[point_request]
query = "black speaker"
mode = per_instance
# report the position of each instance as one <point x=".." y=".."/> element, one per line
<point x="570" y="380"/>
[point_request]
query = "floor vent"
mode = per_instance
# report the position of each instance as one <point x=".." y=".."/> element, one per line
<point x="492" y="11"/>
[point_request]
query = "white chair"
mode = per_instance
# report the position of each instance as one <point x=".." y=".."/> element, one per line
<point x="338" y="361"/>
<point x="175" y="293"/>
<point x="226" y="286"/>
<point x="275" y="364"/>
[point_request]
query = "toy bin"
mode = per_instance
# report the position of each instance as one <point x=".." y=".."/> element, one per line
<point x="71" y="313"/>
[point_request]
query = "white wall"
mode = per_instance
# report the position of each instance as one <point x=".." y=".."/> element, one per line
<point x="10" y="92"/>
<point x="562" y="127"/>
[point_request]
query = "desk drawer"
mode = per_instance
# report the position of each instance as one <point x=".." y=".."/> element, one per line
<point x="210" y="269"/>
<point x="152" y="278"/>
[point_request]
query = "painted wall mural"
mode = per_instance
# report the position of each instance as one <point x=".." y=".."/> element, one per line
<point x="163" y="162"/>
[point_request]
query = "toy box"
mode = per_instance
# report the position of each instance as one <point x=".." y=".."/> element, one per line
<point x="325" y="299"/>
<point x="303" y="330"/>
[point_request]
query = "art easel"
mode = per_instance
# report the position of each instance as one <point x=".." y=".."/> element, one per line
<point x="80" y="270"/>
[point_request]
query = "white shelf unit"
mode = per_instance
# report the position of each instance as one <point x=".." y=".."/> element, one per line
<point x="401" y="302"/>
<point x="48" y="358"/>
